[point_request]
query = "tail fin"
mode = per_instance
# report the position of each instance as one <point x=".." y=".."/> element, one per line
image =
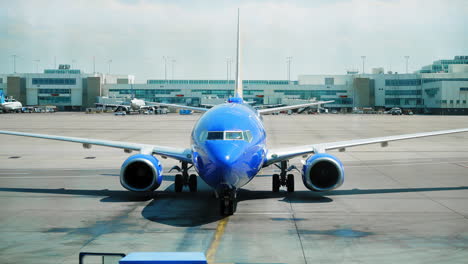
<point x="2" y="97"/>
<point x="238" y="90"/>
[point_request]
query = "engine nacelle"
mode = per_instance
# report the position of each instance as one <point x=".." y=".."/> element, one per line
<point x="322" y="172"/>
<point x="141" y="173"/>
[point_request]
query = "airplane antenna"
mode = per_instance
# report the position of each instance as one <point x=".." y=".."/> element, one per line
<point x="238" y="90"/>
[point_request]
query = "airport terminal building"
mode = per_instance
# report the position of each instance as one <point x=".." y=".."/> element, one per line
<point x="441" y="88"/>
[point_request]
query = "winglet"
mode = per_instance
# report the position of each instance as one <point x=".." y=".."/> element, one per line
<point x="238" y="91"/>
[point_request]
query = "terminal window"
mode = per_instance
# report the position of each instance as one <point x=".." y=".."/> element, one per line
<point x="54" y="81"/>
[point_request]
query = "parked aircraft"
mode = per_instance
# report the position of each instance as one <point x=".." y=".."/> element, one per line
<point x="9" y="104"/>
<point x="228" y="150"/>
<point x="133" y="106"/>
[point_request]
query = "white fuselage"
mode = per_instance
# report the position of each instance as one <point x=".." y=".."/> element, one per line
<point x="11" y="106"/>
<point x="136" y="104"/>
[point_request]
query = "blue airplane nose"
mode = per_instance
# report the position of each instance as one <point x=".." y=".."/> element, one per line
<point x="226" y="158"/>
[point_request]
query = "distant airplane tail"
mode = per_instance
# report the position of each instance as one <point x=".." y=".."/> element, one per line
<point x="2" y="97"/>
<point x="238" y="90"/>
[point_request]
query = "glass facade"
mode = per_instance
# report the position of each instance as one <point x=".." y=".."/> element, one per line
<point x="54" y="91"/>
<point x="307" y="94"/>
<point x="145" y="92"/>
<point x="53" y="100"/>
<point x="53" y="81"/>
<point x="402" y="82"/>
<point x="265" y="82"/>
<point x="445" y="80"/>
<point x="403" y="92"/>
<point x="463" y="88"/>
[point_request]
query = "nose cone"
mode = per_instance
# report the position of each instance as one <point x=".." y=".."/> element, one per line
<point x="226" y="158"/>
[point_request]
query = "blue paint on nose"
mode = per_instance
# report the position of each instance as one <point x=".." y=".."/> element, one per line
<point x="226" y="157"/>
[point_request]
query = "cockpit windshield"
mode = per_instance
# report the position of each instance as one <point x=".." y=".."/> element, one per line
<point x="215" y="135"/>
<point x="229" y="135"/>
<point x="237" y="135"/>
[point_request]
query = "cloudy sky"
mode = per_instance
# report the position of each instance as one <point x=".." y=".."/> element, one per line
<point x="323" y="37"/>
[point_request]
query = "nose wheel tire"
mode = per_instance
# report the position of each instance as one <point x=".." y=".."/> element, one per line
<point x="178" y="183"/>
<point x="290" y="183"/>
<point x="228" y="203"/>
<point x="193" y="183"/>
<point x="276" y="183"/>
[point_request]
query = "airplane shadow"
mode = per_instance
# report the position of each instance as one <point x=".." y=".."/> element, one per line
<point x="194" y="209"/>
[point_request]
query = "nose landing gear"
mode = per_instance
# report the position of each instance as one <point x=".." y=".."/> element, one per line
<point x="183" y="179"/>
<point x="228" y="202"/>
<point x="284" y="179"/>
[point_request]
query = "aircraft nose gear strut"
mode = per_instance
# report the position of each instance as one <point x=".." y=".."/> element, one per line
<point x="183" y="179"/>
<point x="227" y="202"/>
<point x="284" y="178"/>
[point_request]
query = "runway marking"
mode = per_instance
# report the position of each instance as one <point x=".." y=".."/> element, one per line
<point x="401" y="164"/>
<point x="13" y="173"/>
<point x="210" y="254"/>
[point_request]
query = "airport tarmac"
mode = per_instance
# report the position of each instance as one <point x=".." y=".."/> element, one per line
<point x="407" y="203"/>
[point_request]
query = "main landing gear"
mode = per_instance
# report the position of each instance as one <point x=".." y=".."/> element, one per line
<point x="184" y="179"/>
<point x="227" y="202"/>
<point x="284" y="178"/>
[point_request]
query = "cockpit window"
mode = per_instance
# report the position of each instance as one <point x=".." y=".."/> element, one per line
<point x="215" y="135"/>
<point x="226" y="135"/>
<point x="234" y="135"/>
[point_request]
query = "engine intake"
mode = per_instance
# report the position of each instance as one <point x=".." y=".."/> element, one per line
<point x="141" y="173"/>
<point x="323" y="172"/>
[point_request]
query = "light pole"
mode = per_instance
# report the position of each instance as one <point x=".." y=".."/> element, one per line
<point x="165" y="58"/>
<point x="288" y="61"/>
<point x="109" y="61"/>
<point x="37" y="65"/>
<point x="407" y="58"/>
<point x="94" y="64"/>
<point x="228" y="69"/>
<point x="14" y="62"/>
<point x="363" y="62"/>
<point x="173" y="63"/>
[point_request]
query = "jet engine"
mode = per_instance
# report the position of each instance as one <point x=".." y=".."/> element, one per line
<point x="322" y="172"/>
<point x="141" y="173"/>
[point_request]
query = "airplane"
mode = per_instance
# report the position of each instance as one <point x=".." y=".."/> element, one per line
<point x="228" y="149"/>
<point x="9" y="104"/>
<point x="134" y="105"/>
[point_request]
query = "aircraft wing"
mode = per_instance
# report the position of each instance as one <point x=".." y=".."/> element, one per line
<point x="199" y="109"/>
<point x="276" y="155"/>
<point x="282" y="108"/>
<point x="175" y="153"/>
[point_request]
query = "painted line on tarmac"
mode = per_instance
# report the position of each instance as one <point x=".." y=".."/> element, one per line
<point x="265" y="213"/>
<point x="210" y="254"/>
<point x="14" y="173"/>
<point x="47" y="177"/>
<point x="400" y="164"/>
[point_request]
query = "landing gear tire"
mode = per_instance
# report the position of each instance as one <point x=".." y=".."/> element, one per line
<point x="178" y="183"/>
<point x="193" y="183"/>
<point x="276" y="183"/>
<point x="227" y="207"/>
<point x="228" y="203"/>
<point x="290" y="183"/>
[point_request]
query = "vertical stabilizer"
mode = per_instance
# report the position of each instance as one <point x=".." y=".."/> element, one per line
<point x="238" y="90"/>
<point x="2" y="97"/>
